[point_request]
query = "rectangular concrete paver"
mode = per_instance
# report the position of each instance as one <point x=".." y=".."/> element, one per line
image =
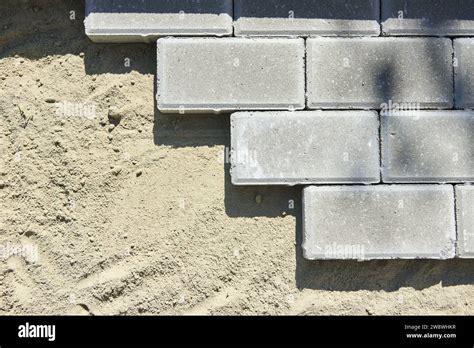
<point x="428" y="146"/>
<point x="428" y="17"/>
<point x="209" y="74"/>
<point x="465" y="220"/>
<point x="307" y="17"/>
<point x="464" y="73"/>
<point x="366" y="73"/>
<point x="146" y="20"/>
<point x="290" y="148"/>
<point x="379" y="222"/>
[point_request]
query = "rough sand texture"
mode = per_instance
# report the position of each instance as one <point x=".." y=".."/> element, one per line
<point x="177" y="239"/>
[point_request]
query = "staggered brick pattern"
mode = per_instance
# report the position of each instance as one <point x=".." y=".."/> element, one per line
<point x="397" y="117"/>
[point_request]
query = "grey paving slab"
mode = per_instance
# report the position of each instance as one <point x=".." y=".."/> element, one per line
<point x="290" y="148"/>
<point x="428" y="146"/>
<point x="378" y="222"/>
<point x="307" y="17"/>
<point x="368" y="73"/>
<point x="146" y="20"/>
<point x="464" y="73"/>
<point x="465" y="220"/>
<point x="227" y="74"/>
<point x="428" y="17"/>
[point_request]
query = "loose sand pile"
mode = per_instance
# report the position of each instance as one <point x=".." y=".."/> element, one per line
<point x="132" y="211"/>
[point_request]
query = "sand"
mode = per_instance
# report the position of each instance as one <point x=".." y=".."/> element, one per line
<point x="132" y="212"/>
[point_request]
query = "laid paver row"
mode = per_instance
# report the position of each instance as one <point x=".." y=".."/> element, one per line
<point x="342" y="147"/>
<point x="129" y="21"/>
<point x="229" y="74"/>
<point x="388" y="222"/>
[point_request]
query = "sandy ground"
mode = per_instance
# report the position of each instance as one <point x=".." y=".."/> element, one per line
<point x="132" y="211"/>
